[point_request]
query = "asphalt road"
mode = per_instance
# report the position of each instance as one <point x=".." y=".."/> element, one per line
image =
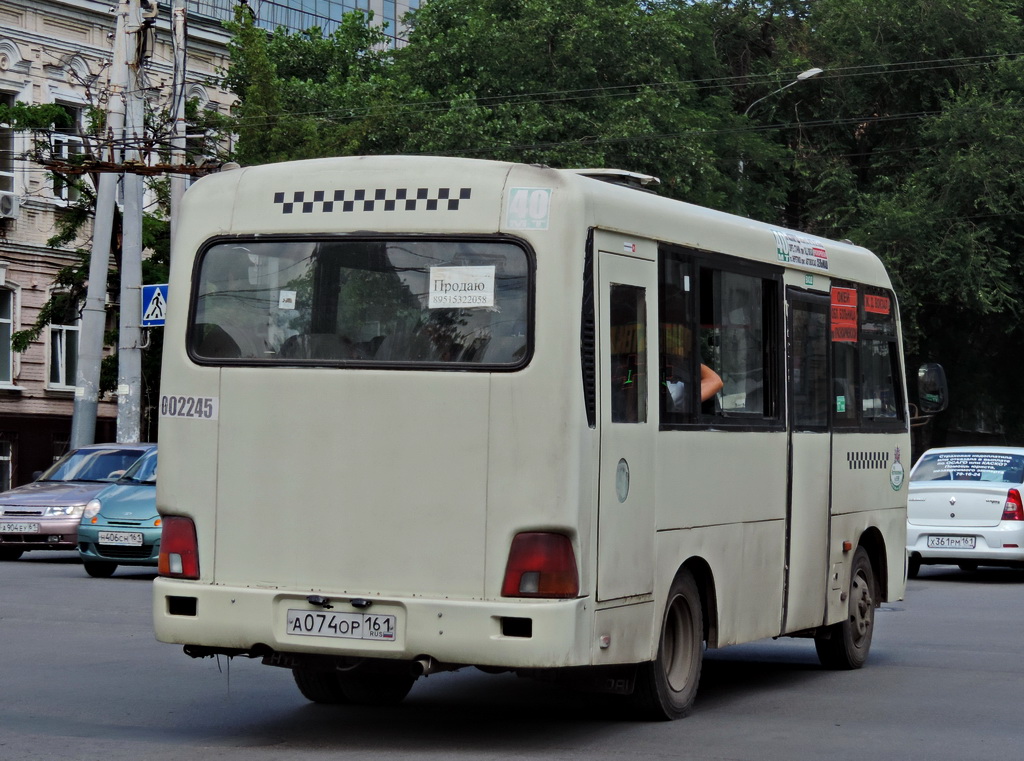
<point x="82" y="678"/>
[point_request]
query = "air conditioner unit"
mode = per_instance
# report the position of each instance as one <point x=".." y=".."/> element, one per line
<point x="8" y="205"/>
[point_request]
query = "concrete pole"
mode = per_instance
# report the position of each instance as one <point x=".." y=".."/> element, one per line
<point x="90" y="340"/>
<point x="178" y="143"/>
<point x="129" y="345"/>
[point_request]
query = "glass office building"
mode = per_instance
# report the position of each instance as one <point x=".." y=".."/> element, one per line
<point x="299" y="15"/>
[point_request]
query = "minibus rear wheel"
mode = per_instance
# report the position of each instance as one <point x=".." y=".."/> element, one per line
<point x="375" y="689"/>
<point x="845" y="645"/>
<point x="666" y="687"/>
<point x="319" y="686"/>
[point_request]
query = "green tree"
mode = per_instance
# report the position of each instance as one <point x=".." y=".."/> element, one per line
<point x="569" y="83"/>
<point x="907" y="143"/>
<point x="951" y="234"/>
<point x="302" y="95"/>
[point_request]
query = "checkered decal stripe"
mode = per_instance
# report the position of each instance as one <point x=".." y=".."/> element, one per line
<point x="381" y="199"/>
<point x="867" y="460"/>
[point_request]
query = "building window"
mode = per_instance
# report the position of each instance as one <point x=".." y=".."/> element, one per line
<point x="5" y="463"/>
<point x="6" y="150"/>
<point x="63" y="355"/>
<point x="6" y="326"/>
<point x="67" y="145"/>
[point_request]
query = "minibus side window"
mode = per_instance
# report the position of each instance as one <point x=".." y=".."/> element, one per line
<point x="866" y="372"/>
<point x="882" y="402"/>
<point x="629" y="354"/>
<point x="723" y="313"/>
<point x="738" y="340"/>
<point x="677" y="384"/>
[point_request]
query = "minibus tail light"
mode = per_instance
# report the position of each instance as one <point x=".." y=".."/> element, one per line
<point x="541" y="564"/>
<point x="1013" y="510"/>
<point x="179" y="548"/>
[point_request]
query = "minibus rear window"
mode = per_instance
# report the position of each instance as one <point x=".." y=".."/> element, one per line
<point x="433" y="302"/>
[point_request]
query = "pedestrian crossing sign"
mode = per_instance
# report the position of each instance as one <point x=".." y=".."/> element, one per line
<point x="154" y="305"/>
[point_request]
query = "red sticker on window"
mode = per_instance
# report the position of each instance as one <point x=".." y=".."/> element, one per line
<point x="877" y="304"/>
<point x="844" y="314"/>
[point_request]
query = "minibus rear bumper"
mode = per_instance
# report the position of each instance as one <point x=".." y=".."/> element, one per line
<point x="257" y="623"/>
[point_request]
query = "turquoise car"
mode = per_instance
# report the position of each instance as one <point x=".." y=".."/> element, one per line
<point x="120" y="526"/>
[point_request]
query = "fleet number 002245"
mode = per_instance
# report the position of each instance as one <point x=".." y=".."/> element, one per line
<point x="201" y="407"/>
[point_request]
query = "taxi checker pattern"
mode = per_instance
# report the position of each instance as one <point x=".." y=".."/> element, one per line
<point x="386" y="199"/>
<point x="867" y="460"/>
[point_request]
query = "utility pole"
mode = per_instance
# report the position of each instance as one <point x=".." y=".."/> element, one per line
<point x="133" y="42"/>
<point x="129" y="344"/>
<point x="94" y="315"/>
<point x="178" y="143"/>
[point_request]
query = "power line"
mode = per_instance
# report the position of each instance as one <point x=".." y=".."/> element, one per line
<point x="626" y="90"/>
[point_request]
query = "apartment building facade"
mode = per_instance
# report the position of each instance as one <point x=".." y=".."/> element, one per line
<point x="59" y="52"/>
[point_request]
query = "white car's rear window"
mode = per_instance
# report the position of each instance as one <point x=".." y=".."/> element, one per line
<point x="999" y="467"/>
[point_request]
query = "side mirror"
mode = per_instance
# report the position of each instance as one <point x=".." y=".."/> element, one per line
<point x="36" y="474"/>
<point x="932" y="389"/>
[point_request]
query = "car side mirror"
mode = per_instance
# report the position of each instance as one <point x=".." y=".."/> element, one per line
<point x="36" y="474"/>
<point x="932" y="389"/>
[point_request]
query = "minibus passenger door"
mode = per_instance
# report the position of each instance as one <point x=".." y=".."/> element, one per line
<point x="807" y="529"/>
<point x="626" y="302"/>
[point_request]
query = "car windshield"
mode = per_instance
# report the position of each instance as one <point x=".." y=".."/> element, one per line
<point x="92" y="465"/>
<point x="998" y="467"/>
<point x="143" y="471"/>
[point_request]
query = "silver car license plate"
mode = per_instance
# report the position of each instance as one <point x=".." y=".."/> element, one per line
<point x="19" y="528"/>
<point x="951" y="542"/>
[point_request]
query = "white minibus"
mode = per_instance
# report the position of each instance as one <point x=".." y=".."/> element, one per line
<point x="423" y="413"/>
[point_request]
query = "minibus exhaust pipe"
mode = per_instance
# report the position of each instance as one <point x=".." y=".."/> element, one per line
<point x="425" y="666"/>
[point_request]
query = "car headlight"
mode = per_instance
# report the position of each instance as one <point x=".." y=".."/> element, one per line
<point x="62" y="510"/>
<point x="92" y="509"/>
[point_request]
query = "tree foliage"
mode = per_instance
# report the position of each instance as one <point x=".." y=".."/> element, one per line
<point x="67" y="296"/>
<point x="908" y="142"/>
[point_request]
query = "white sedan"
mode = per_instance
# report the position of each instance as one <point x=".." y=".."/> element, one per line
<point x="964" y="508"/>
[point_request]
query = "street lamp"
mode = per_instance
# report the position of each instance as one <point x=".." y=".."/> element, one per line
<point x="799" y="78"/>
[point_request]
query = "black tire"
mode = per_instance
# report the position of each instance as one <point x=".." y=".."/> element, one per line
<point x="319" y="686"/>
<point x="845" y="645"/>
<point x="99" y="570"/>
<point x="6" y="554"/>
<point x="370" y="689"/>
<point x="913" y="566"/>
<point x="667" y="686"/>
<point x="967" y="567"/>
